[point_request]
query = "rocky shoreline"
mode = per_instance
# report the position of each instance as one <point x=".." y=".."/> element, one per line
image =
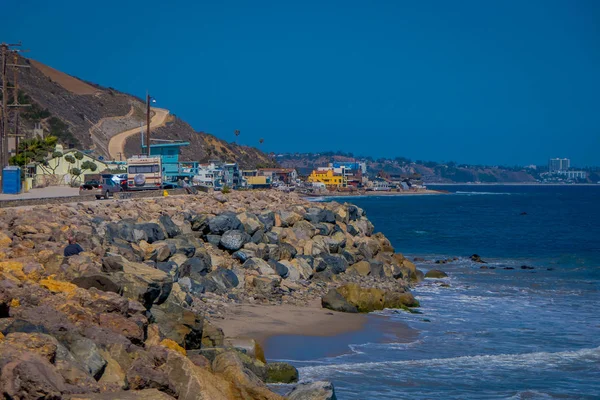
<point x="136" y="315"/>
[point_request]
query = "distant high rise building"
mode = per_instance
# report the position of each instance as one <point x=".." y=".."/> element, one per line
<point x="559" y="164"/>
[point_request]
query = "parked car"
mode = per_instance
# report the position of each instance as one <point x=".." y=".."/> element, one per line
<point x="104" y="188"/>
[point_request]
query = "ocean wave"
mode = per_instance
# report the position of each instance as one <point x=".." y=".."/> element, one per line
<point x="522" y="360"/>
<point x="471" y="193"/>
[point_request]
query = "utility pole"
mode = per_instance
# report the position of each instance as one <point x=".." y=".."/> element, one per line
<point x="148" y="122"/>
<point x="4" y="52"/>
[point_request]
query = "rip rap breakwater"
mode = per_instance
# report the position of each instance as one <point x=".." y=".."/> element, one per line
<point x="133" y="313"/>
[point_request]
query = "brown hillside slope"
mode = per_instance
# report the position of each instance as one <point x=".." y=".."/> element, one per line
<point x="88" y="116"/>
<point x="68" y="82"/>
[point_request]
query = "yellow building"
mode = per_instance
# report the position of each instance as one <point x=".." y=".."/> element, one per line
<point x="256" y="182"/>
<point x="329" y="178"/>
<point x="58" y="169"/>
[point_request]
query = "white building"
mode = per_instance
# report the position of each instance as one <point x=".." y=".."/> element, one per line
<point x="210" y="175"/>
<point x="558" y="164"/>
<point x="573" y="174"/>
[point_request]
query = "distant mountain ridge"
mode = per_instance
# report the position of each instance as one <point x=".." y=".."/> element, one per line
<point x="430" y="172"/>
<point x="86" y="116"/>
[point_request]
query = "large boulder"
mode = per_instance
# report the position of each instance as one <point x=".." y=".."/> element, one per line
<point x="86" y="353"/>
<point x="320" y="390"/>
<point x="267" y="218"/>
<point x="260" y="265"/>
<point x="369" y="299"/>
<point x="145" y="284"/>
<point x="333" y="300"/>
<point x="476" y="258"/>
<point x="287" y="218"/>
<point x="178" y="324"/>
<point x="286" y="251"/>
<point x="280" y="372"/>
<point x="336" y="263"/>
<point x="436" y="274"/>
<point x="100" y="282"/>
<point x="234" y="240"/>
<point x="150" y="232"/>
<point x="26" y="375"/>
<point x="251" y="223"/>
<point x="169" y="226"/>
<point x="229" y="365"/>
<point x="220" y="280"/>
<point x="195" y="267"/>
<point x="222" y="223"/>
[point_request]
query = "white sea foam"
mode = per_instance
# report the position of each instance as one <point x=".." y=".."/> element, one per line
<point x="472" y="193"/>
<point x="524" y="360"/>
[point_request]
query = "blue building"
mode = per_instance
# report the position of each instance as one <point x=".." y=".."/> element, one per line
<point x="173" y="169"/>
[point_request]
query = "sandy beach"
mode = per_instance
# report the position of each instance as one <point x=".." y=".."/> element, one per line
<point x="288" y="331"/>
<point x="259" y="322"/>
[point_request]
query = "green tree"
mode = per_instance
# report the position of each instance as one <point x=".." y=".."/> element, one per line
<point x="76" y="172"/>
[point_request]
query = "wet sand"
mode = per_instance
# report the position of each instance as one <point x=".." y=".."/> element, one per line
<point x="302" y="333"/>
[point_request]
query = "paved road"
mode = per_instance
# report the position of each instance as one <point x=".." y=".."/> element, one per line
<point x="50" y="191"/>
<point x="116" y="144"/>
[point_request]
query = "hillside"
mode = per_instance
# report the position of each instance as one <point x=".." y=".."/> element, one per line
<point x="86" y="116"/>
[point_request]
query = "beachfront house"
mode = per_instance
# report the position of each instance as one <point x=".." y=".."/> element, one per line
<point x="329" y="178"/>
<point x="59" y="170"/>
<point x="283" y="175"/>
<point x="210" y="175"/>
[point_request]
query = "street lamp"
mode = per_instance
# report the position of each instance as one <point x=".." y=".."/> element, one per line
<point x="149" y="100"/>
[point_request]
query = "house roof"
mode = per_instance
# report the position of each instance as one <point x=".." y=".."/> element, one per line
<point x="278" y="170"/>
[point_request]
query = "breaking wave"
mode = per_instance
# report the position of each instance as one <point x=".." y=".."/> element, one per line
<point x="480" y="362"/>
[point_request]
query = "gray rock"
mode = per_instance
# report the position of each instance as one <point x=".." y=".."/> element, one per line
<point x="268" y="219"/>
<point x="234" y="240"/>
<point x="336" y="263"/>
<point x="169" y="267"/>
<point x="100" y="282"/>
<point x="195" y="267"/>
<point x="152" y="232"/>
<point x="436" y="273"/>
<point x="273" y="237"/>
<point x="279" y="268"/>
<point x="333" y="300"/>
<point x="199" y="223"/>
<point x="327" y="216"/>
<point x="112" y="264"/>
<point x="225" y="222"/>
<point x="260" y="265"/>
<point x="87" y="354"/>
<point x="178" y="324"/>
<point x="287" y="251"/>
<point x="181" y="245"/>
<point x="259" y="237"/>
<point x="213" y="239"/>
<point x="320" y="390"/>
<point x="219" y="281"/>
<point x="171" y="229"/>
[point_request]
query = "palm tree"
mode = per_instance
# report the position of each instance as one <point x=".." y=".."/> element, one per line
<point x="261" y="140"/>
<point x="237" y="133"/>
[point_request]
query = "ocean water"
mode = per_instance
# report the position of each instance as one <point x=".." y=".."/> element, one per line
<point x="495" y="333"/>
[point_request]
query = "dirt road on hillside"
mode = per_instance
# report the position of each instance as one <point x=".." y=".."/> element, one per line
<point x="116" y="144"/>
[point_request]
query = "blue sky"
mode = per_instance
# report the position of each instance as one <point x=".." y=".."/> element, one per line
<point x="494" y="82"/>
